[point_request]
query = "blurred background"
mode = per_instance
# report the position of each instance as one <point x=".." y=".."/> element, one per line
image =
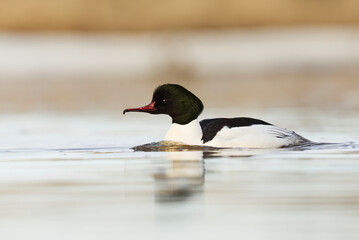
<point x="78" y="55"/>
<point x="68" y="68"/>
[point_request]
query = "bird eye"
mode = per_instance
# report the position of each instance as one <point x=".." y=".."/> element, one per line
<point x="164" y="101"/>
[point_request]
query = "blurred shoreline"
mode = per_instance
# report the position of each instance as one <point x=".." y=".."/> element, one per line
<point x="269" y="67"/>
<point x="122" y="15"/>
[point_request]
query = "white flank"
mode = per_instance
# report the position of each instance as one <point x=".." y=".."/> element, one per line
<point x="190" y="133"/>
<point x="255" y="136"/>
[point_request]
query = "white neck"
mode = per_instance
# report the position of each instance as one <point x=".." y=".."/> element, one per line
<point x="190" y="133"/>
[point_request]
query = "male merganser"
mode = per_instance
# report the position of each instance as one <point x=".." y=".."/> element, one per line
<point x="184" y="108"/>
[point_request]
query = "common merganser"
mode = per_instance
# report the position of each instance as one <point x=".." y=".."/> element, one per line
<point x="243" y="132"/>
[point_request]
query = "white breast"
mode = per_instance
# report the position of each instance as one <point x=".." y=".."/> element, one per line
<point x="190" y="133"/>
<point x="255" y="136"/>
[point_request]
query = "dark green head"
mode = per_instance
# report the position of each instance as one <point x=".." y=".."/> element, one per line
<point x="174" y="100"/>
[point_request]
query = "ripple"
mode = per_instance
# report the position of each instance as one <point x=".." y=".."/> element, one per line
<point x="168" y="146"/>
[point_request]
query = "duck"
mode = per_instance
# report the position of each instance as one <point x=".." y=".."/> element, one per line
<point x="239" y="132"/>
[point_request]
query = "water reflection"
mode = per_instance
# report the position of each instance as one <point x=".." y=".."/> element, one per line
<point x="182" y="179"/>
<point x="185" y="176"/>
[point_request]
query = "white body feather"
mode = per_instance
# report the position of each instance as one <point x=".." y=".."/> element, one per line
<point x="254" y="136"/>
<point x="190" y="133"/>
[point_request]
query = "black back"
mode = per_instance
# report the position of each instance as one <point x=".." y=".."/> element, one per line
<point x="210" y="127"/>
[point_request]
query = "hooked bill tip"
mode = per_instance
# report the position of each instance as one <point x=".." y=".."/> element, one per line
<point x="125" y="111"/>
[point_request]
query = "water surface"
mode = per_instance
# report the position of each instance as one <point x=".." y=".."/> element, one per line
<point x="77" y="177"/>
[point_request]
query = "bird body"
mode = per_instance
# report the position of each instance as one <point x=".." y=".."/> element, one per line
<point x="253" y="136"/>
<point x="184" y="108"/>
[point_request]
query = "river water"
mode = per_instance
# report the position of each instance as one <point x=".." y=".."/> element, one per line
<point x="76" y="176"/>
